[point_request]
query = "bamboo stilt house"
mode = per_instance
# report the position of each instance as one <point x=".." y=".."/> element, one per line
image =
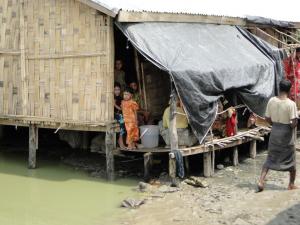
<point x="57" y="61"/>
<point x="56" y="64"/>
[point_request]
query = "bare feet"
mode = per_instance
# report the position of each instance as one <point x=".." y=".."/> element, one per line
<point x="122" y="147"/>
<point x="131" y="146"/>
<point x="121" y="143"/>
<point x="292" y="187"/>
<point x="260" y="187"/>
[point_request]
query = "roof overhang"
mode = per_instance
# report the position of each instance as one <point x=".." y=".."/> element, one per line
<point x="144" y="16"/>
<point x="99" y="7"/>
<point x="147" y="16"/>
<point x="126" y="16"/>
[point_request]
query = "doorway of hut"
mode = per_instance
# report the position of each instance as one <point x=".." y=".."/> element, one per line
<point x="153" y="83"/>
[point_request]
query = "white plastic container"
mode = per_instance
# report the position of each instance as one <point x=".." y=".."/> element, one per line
<point x="149" y="136"/>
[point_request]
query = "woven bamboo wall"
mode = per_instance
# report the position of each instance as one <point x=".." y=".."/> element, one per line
<point x="10" y="101"/>
<point x="64" y="69"/>
<point x="157" y="84"/>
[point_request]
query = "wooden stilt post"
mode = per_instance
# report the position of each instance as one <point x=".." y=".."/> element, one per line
<point x="187" y="164"/>
<point x="85" y="140"/>
<point x="109" y="153"/>
<point x="207" y="167"/>
<point x="173" y="135"/>
<point x="235" y="156"/>
<point x="172" y="168"/>
<point x="148" y="160"/>
<point x="253" y="149"/>
<point x="213" y="156"/>
<point x="1" y="131"/>
<point x="115" y="140"/>
<point x="33" y="146"/>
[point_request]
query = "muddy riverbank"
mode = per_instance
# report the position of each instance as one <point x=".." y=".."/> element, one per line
<point x="230" y="199"/>
<point x="68" y="188"/>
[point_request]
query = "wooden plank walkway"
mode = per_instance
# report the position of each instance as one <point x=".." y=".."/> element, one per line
<point x="207" y="149"/>
<point x="217" y="144"/>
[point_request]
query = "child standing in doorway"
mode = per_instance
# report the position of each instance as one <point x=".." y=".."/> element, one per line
<point x="118" y="113"/>
<point x="129" y="109"/>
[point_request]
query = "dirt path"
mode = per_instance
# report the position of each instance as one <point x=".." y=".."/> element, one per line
<point x="230" y="199"/>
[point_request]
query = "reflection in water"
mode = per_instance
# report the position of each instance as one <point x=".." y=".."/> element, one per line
<point x="55" y="194"/>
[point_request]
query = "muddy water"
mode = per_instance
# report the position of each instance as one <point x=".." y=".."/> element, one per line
<point x="55" y="194"/>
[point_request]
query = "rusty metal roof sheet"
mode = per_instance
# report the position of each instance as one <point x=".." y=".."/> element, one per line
<point x="230" y="8"/>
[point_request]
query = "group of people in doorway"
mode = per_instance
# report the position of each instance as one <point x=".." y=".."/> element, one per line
<point x="130" y="113"/>
<point x="128" y="108"/>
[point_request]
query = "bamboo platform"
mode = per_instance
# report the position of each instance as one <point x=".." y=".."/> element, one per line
<point x="49" y="123"/>
<point x="208" y="148"/>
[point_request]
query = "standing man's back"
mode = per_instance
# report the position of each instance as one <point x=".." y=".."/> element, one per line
<point x="281" y="113"/>
<point x="281" y="110"/>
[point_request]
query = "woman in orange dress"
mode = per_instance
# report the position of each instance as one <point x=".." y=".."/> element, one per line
<point x="129" y="109"/>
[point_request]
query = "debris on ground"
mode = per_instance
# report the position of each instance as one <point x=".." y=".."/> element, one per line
<point x="168" y="189"/>
<point x="196" y="182"/>
<point x="144" y="187"/>
<point x="132" y="203"/>
<point x="220" y="166"/>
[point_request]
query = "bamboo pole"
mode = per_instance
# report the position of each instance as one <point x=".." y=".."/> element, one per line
<point x="138" y="70"/>
<point x="172" y="128"/>
<point x="270" y="36"/>
<point x="24" y="86"/>
<point x="289" y="36"/>
<point x="173" y="135"/>
<point x="9" y="52"/>
<point x="294" y="35"/>
<point x="144" y="87"/>
<point x="63" y="56"/>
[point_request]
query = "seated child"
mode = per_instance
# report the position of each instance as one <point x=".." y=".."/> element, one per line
<point x="252" y="121"/>
<point x="129" y="109"/>
<point x="118" y="113"/>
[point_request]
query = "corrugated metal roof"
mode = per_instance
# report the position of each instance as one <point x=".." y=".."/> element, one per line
<point x="286" y="11"/>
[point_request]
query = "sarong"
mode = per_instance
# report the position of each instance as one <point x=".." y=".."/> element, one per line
<point x="281" y="148"/>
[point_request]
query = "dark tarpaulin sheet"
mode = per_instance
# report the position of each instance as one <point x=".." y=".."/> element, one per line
<point x="205" y="60"/>
<point x="269" y="22"/>
<point x="274" y="54"/>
